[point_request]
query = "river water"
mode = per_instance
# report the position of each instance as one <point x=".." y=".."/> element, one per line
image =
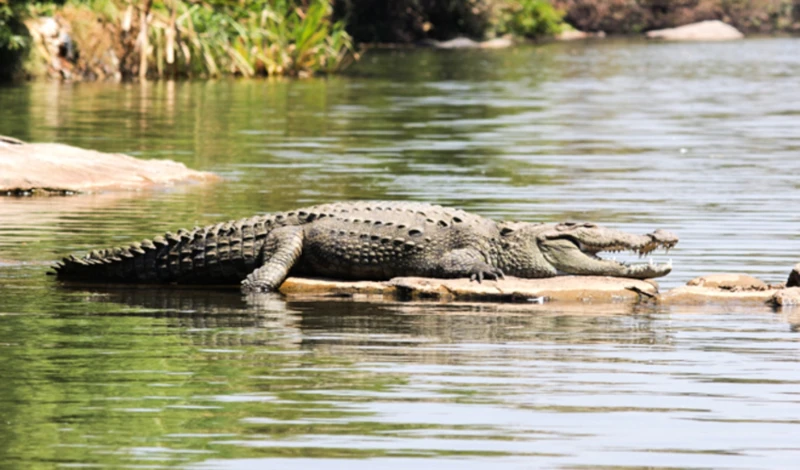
<point x="701" y="139"/>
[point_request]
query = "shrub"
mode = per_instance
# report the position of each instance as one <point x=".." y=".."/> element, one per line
<point x="529" y="18"/>
<point x="205" y="38"/>
<point x="14" y="38"/>
<point x="408" y="21"/>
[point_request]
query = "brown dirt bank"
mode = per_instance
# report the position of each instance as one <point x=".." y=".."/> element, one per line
<point x="636" y="16"/>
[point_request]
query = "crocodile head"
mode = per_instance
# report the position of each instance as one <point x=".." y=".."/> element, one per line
<point x="574" y="249"/>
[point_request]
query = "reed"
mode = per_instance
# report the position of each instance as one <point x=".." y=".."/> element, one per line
<point x="174" y="38"/>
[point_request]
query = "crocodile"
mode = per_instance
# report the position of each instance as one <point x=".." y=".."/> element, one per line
<point x="376" y="240"/>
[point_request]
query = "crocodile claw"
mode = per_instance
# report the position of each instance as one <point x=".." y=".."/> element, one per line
<point x="488" y="272"/>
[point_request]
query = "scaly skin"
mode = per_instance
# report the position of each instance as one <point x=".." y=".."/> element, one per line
<point x="368" y="241"/>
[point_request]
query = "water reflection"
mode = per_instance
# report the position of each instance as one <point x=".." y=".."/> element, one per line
<point x="178" y="375"/>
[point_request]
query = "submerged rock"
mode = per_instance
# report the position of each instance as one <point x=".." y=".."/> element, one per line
<point x="712" y="30"/>
<point x="62" y="169"/>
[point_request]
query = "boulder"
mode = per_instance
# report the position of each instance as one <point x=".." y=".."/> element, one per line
<point x="62" y="169"/>
<point x="794" y="277"/>
<point x="712" y="30"/>
<point x="789" y="297"/>
<point x="584" y="289"/>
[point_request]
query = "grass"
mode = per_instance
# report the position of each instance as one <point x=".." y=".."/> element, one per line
<point x="206" y="38"/>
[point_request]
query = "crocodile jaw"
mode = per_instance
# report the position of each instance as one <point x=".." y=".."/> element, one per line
<point x="573" y="249"/>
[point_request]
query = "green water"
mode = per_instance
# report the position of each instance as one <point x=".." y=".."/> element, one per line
<point x="698" y="139"/>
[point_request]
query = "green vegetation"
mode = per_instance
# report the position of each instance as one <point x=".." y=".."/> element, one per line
<point x="409" y="21"/>
<point x="208" y="38"/>
<point x="14" y="38"/>
<point x="530" y="19"/>
<point x="166" y="38"/>
<point x="121" y="39"/>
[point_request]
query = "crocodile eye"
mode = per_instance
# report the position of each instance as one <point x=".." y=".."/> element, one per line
<point x="569" y="224"/>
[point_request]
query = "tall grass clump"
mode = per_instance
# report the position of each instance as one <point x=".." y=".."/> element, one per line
<point x="167" y="38"/>
<point x="282" y="39"/>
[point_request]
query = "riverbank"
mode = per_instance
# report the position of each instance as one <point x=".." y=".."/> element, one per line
<point x="81" y="40"/>
<point x="627" y="17"/>
<point x="149" y="39"/>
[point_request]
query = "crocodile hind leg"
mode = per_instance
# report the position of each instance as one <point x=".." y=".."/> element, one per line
<point x="281" y="250"/>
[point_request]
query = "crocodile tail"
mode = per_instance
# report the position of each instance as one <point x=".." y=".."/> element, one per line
<point x="138" y="262"/>
<point x="215" y="254"/>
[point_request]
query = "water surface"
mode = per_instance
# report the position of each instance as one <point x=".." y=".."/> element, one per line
<point x="699" y="139"/>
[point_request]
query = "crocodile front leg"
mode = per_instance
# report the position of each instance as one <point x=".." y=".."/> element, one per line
<point x="281" y="250"/>
<point x="467" y="262"/>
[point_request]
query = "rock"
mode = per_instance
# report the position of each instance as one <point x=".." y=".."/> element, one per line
<point x="698" y="295"/>
<point x="496" y="43"/>
<point x="52" y="41"/>
<point x="587" y="289"/>
<point x="62" y="169"/>
<point x="729" y="282"/>
<point x="466" y="43"/>
<point x="729" y="288"/>
<point x="788" y="297"/>
<point x="574" y="35"/>
<point x="307" y="287"/>
<point x="712" y="30"/>
<point x="794" y="277"/>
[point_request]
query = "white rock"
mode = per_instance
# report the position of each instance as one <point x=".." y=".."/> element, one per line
<point x="712" y="30"/>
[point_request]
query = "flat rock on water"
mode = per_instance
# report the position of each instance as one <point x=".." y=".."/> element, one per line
<point x="585" y="289"/>
<point x="59" y="168"/>
<point x="712" y="30"/>
<point x="727" y="290"/>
